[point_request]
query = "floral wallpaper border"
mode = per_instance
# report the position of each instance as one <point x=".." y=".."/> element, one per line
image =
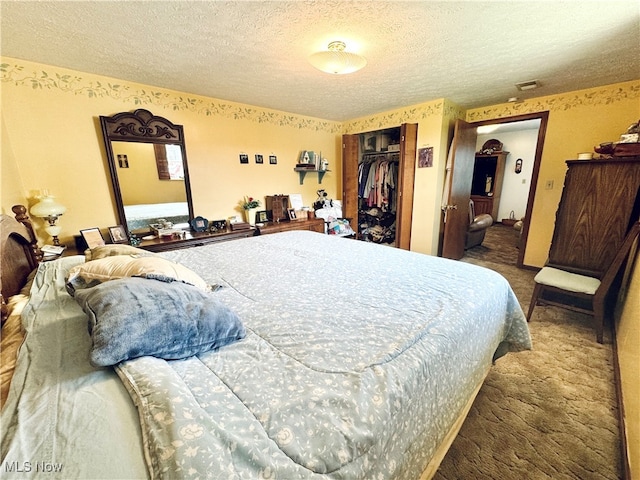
<point x="18" y="75"/>
<point x="441" y="107"/>
<point x="583" y="98"/>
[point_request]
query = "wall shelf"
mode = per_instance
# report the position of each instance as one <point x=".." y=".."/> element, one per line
<point x="303" y="172"/>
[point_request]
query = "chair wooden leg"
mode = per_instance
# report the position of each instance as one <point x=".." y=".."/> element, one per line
<point x="598" y="318"/>
<point x="537" y="290"/>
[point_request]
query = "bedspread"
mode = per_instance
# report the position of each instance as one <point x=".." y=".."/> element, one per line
<point x="358" y="359"/>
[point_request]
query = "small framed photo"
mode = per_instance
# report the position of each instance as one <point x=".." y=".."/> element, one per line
<point x="262" y="216"/>
<point x="244" y="158"/>
<point x="118" y="234"/>
<point x="199" y="224"/>
<point x="273" y="160"/>
<point x="217" y="226"/>
<point x="92" y="237"/>
<point x="292" y="213"/>
<point x="259" y="158"/>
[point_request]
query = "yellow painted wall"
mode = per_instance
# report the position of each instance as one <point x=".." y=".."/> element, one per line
<point x="628" y="347"/>
<point x="51" y="139"/>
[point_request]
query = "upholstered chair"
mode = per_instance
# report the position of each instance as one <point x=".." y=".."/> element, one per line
<point x="477" y="228"/>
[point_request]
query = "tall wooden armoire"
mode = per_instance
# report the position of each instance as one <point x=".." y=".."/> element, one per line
<point x="486" y="183"/>
<point x="600" y="200"/>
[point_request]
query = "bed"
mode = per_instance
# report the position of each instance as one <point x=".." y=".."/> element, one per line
<point x="140" y="216"/>
<point x="358" y="361"/>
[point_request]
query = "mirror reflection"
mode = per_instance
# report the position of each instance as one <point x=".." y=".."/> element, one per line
<point x="152" y="187"/>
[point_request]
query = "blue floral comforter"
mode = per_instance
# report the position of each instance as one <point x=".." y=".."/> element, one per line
<point x="358" y="359"/>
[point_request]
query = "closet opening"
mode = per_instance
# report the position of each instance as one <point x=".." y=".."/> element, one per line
<point x="378" y="183"/>
<point x="378" y="164"/>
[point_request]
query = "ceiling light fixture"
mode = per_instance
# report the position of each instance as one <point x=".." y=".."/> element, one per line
<point x="336" y="60"/>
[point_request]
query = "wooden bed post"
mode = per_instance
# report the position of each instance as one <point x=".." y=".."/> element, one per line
<point x="20" y="212"/>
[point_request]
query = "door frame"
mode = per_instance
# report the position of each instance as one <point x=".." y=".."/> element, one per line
<point x="542" y="130"/>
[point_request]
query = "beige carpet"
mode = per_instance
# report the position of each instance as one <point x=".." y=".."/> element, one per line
<point x="548" y="413"/>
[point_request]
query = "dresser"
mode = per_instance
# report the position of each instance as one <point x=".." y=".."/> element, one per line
<point x="600" y="199"/>
<point x="193" y="239"/>
<point x="196" y="239"/>
<point x="314" y="225"/>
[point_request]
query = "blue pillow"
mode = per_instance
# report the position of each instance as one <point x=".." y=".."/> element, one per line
<point x="133" y="317"/>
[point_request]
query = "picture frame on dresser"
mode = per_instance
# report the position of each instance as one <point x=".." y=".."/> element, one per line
<point x="217" y="226"/>
<point x="118" y="234"/>
<point x="262" y="216"/>
<point x="199" y="224"/>
<point x="92" y="237"/>
<point x="292" y="213"/>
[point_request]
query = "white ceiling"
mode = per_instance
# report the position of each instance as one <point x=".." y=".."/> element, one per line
<point x="255" y="52"/>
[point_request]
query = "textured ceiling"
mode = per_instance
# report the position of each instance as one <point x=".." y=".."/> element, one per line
<point x="255" y="52"/>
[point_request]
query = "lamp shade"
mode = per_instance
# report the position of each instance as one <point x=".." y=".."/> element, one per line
<point x="336" y="60"/>
<point x="47" y="207"/>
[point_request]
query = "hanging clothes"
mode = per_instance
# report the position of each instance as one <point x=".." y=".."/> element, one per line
<point x="377" y="182"/>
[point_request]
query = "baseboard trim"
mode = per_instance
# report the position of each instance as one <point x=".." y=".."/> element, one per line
<point x="626" y="466"/>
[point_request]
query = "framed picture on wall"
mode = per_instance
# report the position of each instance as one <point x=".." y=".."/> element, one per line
<point x="244" y="158"/>
<point x="273" y="160"/>
<point x="259" y="158"/>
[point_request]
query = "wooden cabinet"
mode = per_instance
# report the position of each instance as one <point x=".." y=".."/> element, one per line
<point x="600" y="200"/>
<point x="486" y="183"/>
<point x="482" y="205"/>
<point x="314" y="225"/>
<point x="277" y="205"/>
<point x="354" y="149"/>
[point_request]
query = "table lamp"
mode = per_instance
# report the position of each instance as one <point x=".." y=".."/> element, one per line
<point x="50" y="210"/>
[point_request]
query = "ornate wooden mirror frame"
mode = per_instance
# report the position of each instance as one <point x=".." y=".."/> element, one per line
<point x="141" y="126"/>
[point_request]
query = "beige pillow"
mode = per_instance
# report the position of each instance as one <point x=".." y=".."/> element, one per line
<point x="95" y="272"/>
<point x="112" y="250"/>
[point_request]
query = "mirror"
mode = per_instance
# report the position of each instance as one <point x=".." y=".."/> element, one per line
<point x="148" y="165"/>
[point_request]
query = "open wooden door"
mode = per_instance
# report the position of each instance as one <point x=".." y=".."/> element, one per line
<point x="350" y="179"/>
<point x="458" y="189"/>
<point x="406" y="181"/>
